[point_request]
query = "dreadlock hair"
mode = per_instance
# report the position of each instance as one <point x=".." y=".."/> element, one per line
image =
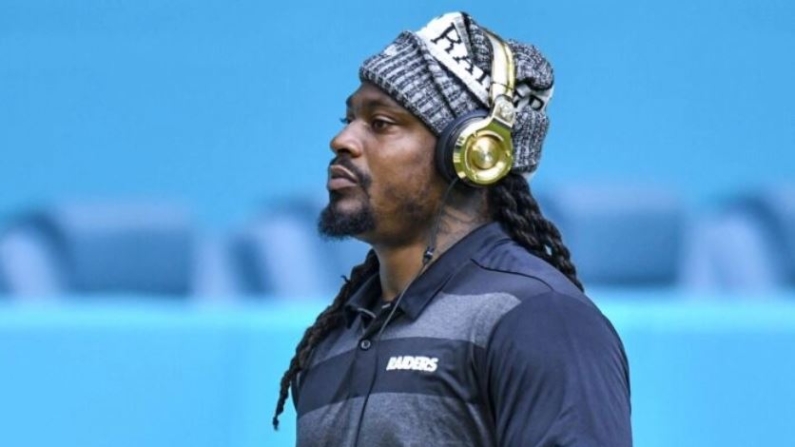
<point x="328" y="320"/>
<point x="515" y="208"/>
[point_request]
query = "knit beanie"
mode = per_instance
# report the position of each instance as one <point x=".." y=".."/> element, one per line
<point x="442" y="72"/>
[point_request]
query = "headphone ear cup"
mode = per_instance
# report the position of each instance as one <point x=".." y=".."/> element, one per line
<point x="445" y="145"/>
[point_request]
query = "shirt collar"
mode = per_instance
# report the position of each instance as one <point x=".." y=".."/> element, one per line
<point x="430" y="283"/>
<point x="363" y="300"/>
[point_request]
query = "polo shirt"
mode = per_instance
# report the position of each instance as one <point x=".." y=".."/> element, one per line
<point x="490" y="346"/>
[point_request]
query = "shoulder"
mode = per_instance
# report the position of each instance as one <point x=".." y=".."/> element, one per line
<point x="504" y="266"/>
<point x="558" y="326"/>
<point x="536" y="300"/>
<point x="548" y="352"/>
<point x="518" y="292"/>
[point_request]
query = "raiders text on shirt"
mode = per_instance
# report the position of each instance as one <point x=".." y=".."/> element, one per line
<point x="414" y="363"/>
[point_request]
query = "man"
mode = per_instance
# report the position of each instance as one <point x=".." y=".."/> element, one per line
<point x="466" y="324"/>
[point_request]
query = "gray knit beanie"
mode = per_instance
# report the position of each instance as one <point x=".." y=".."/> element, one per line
<point x="442" y="72"/>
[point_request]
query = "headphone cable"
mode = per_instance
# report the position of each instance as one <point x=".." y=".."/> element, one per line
<point x="431" y="248"/>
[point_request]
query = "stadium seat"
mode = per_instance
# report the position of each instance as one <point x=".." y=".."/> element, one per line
<point x="776" y="208"/>
<point x="3" y="281"/>
<point x="747" y="244"/>
<point x="727" y="252"/>
<point x="280" y="253"/>
<point x="214" y="277"/>
<point x="29" y="258"/>
<point x="99" y="247"/>
<point x="619" y="235"/>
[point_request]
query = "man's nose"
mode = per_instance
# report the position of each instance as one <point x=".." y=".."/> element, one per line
<point x="347" y="141"/>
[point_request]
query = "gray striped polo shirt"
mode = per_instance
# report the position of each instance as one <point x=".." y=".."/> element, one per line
<point x="491" y="346"/>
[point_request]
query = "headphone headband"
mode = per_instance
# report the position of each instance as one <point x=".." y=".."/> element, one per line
<point x="479" y="144"/>
<point x="503" y="70"/>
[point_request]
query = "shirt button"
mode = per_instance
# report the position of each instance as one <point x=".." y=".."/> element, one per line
<point x="365" y="345"/>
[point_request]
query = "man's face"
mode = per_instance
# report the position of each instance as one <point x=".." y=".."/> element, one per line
<point x="383" y="187"/>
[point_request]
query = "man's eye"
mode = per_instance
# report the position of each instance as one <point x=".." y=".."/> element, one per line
<point x="380" y="124"/>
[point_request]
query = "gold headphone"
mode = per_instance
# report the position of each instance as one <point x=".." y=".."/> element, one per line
<point x="477" y="146"/>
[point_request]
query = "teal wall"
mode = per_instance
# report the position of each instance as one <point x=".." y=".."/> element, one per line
<point x="225" y="104"/>
<point x="120" y="373"/>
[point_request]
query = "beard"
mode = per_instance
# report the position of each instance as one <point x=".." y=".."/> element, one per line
<point x="336" y="224"/>
<point x="339" y="221"/>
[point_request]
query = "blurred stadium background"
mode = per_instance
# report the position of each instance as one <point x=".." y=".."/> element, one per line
<point x="163" y="163"/>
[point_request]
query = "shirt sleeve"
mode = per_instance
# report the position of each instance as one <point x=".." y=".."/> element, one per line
<point x="555" y="374"/>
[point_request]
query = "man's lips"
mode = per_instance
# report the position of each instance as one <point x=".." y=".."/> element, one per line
<point x="339" y="178"/>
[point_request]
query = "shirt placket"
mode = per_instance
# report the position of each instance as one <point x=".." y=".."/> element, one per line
<point x="367" y="357"/>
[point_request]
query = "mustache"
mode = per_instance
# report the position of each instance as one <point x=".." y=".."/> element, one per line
<point x="346" y="163"/>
